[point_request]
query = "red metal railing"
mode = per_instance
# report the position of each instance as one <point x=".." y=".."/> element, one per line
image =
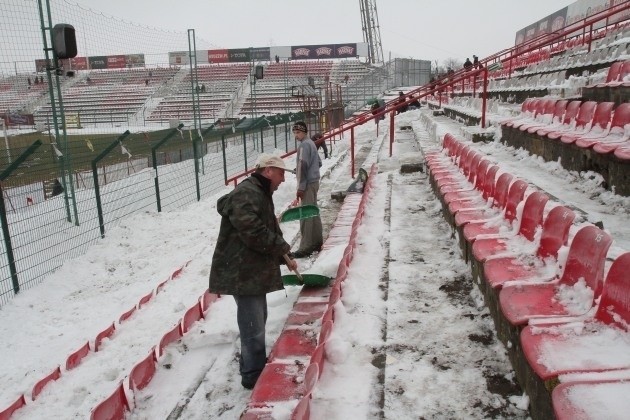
<point x="507" y="56"/>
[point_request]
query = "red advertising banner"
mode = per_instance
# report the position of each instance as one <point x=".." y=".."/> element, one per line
<point x="79" y="63"/>
<point x="116" y="62"/>
<point x="218" y="56"/>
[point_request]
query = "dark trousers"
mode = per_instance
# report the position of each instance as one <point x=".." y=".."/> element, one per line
<point x="251" y="315"/>
<point x="311" y="228"/>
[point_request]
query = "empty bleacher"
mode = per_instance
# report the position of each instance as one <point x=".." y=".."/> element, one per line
<point x="109" y="96"/>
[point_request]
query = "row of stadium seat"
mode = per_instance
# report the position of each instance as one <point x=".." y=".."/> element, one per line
<point x="297" y="358"/>
<point x="519" y="259"/>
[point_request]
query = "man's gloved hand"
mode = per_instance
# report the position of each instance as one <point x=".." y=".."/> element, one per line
<point x="300" y="195"/>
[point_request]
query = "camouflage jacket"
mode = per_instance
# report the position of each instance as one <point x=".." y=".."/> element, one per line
<point x="250" y="245"/>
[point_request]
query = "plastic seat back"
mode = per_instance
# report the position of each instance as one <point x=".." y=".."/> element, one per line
<point x="625" y="70"/>
<point x="533" y="211"/>
<point x="480" y="173"/>
<point x="472" y="164"/>
<point x="621" y="116"/>
<point x="515" y="196"/>
<point x="142" y="373"/>
<point x="501" y="189"/>
<point x="613" y="71"/>
<point x="587" y="254"/>
<point x="548" y="106"/>
<point x="559" y="109"/>
<point x="572" y="110"/>
<point x="585" y="114"/>
<point x="113" y="407"/>
<point x="489" y="182"/>
<point x="603" y="113"/>
<point x="555" y="232"/>
<point x="614" y="306"/>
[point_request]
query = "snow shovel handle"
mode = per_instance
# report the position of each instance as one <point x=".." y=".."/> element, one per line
<point x="297" y="274"/>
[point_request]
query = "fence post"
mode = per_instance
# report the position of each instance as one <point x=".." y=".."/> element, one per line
<point x="224" y="158"/>
<point x="155" y="171"/>
<point x="97" y="191"/>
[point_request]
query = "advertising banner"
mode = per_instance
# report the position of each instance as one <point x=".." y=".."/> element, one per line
<point x="134" y="60"/>
<point x="572" y="14"/>
<point x="78" y="63"/>
<point x="261" y="54"/>
<point x="14" y="119"/>
<point x="40" y="65"/>
<point x="238" y="55"/>
<point x="319" y="52"/>
<point x="218" y="56"/>
<point x="98" y="62"/>
<point x="178" y="57"/>
<point x="346" y="50"/>
<point x="116" y="61"/>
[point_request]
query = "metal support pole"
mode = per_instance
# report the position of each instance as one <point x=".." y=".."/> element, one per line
<point x="391" y="132"/>
<point x="352" y="150"/>
<point x="485" y="96"/>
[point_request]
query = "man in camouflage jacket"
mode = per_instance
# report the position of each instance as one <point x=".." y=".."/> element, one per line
<point x="247" y="258"/>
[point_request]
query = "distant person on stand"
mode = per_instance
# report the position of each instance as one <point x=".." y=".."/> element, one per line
<point x="468" y="65"/>
<point x="414" y="104"/>
<point x="321" y="145"/>
<point x="401" y="100"/>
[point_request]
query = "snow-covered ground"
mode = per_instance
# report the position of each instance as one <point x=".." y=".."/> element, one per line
<point x="411" y="339"/>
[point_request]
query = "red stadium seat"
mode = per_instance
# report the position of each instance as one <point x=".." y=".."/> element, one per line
<point x="173" y="335"/>
<point x="615" y="137"/>
<point x="294" y="342"/>
<point x="142" y="373"/>
<point x="613" y="74"/>
<point x="8" y="412"/>
<point x="126" y="315"/>
<point x="112" y="408"/>
<point x="207" y="300"/>
<point x="598" y="126"/>
<point x="536" y="115"/>
<point x="106" y="333"/>
<point x="587" y="253"/>
<point x="571" y="112"/>
<point x="39" y="386"/>
<point x="583" y="118"/>
<point x="75" y="358"/>
<point x="486" y="247"/>
<point x="192" y="315"/>
<point x="454" y="193"/>
<point x="554" y="349"/>
<point x="279" y="382"/>
<point x="620" y="81"/>
<point x="302" y="410"/>
<point x="499" y="200"/>
<point x="527" y="109"/>
<point x="531" y="218"/>
<point x="587" y="400"/>
<point x="556" y="118"/>
<point x="145" y="299"/>
<point x="555" y="232"/>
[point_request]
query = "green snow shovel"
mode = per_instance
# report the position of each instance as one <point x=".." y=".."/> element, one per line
<point x="300" y="212"/>
<point x="312" y="280"/>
